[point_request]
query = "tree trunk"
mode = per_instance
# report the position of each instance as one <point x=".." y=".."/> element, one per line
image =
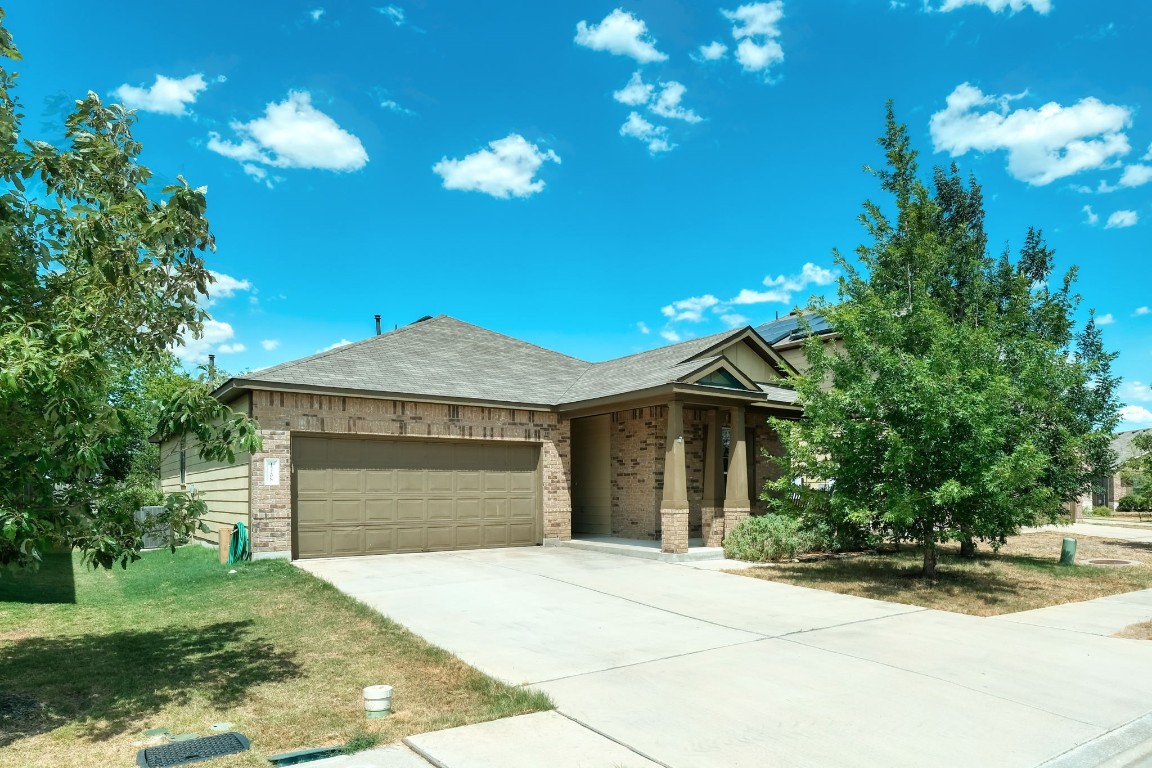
<point x="929" y="571"/>
<point x="967" y="547"/>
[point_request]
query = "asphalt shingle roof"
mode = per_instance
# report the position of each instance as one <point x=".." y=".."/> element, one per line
<point x="444" y="357"/>
<point x="441" y="357"/>
<point x="1122" y="444"/>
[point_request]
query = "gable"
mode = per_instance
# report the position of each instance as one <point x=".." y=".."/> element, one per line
<point x="750" y="362"/>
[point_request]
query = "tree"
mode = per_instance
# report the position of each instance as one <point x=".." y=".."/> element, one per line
<point x="960" y="403"/>
<point x="1137" y="471"/>
<point x="98" y="282"/>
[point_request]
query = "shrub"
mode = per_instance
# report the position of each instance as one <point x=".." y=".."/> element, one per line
<point x="1100" y="512"/>
<point x="768" y="537"/>
<point x="1134" y="503"/>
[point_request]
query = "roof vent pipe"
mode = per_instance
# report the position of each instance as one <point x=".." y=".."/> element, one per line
<point x="211" y="366"/>
<point x="377" y="325"/>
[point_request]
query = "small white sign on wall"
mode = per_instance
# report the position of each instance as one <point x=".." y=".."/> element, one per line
<point x="271" y="471"/>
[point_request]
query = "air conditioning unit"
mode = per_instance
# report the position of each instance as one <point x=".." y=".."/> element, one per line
<point x="154" y="536"/>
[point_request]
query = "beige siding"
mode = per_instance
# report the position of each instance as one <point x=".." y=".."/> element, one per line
<point x="223" y="486"/>
<point x="749" y="362"/>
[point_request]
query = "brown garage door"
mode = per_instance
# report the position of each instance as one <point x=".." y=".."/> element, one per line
<point x="367" y="497"/>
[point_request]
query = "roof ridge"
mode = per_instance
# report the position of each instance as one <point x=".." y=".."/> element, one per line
<point x="341" y="347"/>
<point x="513" y="338"/>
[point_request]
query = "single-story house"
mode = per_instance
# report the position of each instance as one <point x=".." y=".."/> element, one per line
<point x="443" y="435"/>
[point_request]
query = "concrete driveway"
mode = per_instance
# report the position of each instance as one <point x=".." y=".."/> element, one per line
<point x="689" y="667"/>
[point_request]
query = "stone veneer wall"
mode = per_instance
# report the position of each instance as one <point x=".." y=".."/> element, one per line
<point x="281" y="413"/>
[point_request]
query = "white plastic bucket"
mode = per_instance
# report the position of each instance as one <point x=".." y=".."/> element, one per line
<point x="377" y="700"/>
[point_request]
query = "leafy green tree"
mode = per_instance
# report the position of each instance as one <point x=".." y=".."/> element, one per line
<point x="98" y="281"/>
<point x="1137" y="471"/>
<point x="961" y="402"/>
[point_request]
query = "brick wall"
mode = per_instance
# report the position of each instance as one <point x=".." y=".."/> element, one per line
<point x="281" y="413"/>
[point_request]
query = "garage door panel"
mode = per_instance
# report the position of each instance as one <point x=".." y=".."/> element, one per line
<point x="379" y="541"/>
<point x="441" y="509"/>
<point x="379" y="510"/>
<point x="522" y="533"/>
<point x="355" y="496"/>
<point x="347" y="481"/>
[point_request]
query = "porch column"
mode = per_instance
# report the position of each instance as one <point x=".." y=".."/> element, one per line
<point x="674" y="502"/>
<point x="737" y="505"/>
<point x="712" y="507"/>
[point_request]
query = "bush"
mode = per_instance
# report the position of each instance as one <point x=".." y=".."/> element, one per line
<point x="1134" y="503"/>
<point x="1100" y="512"/>
<point x="768" y="537"/>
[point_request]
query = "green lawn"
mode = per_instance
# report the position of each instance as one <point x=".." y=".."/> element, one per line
<point x="176" y="642"/>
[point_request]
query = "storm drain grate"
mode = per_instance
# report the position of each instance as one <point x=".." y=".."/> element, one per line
<point x="192" y="751"/>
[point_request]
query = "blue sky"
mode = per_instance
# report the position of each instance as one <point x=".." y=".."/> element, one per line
<point x="601" y="178"/>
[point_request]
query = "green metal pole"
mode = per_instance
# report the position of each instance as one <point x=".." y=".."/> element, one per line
<point x="1068" y="552"/>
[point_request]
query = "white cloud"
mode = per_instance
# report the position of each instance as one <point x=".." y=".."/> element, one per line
<point x="1136" y="391"/>
<point x="733" y="320"/>
<point x="622" y="34"/>
<point x="1091" y="218"/>
<point x="1148" y="154"/>
<point x="270" y="344"/>
<point x="691" y="309"/>
<point x="506" y="169"/>
<point x="166" y="96"/>
<point x="643" y="328"/>
<point x="1043" y="144"/>
<point x="996" y="6"/>
<point x="394" y="106"/>
<point x="655" y="136"/>
<point x="635" y="93"/>
<point x="1106" y="319"/>
<point x="1141" y="311"/>
<point x="714" y="51"/>
<point x="1136" y="414"/>
<point x="292" y="134"/>
<point x="196" y="349"/>
<point x="330" y="347"/>
<point x="393" y="13"/>
<point x="667" y="103"/>
<point x="316" y="13"/>
<point x="226" y="286"/>
<point x="231" y="349"/>
<point x="1122" y="219"/>
<point x="757" y="27"/>
<point x="781" y="288"/>
<point x="670" y="335"/>
<point x="1136" y="176"/>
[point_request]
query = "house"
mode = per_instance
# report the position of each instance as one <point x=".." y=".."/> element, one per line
<point x="443" y="435"/>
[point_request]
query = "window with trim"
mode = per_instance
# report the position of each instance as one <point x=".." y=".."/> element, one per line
<point x="721" y="378"/>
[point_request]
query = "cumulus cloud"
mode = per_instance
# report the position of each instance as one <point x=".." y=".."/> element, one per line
<point x="757" y="28"/>
<point x="734" y="320"/>
<point x="714" y="51"/>
<point x="655" y="136"/>
<point x="1135" y="176"/>
<point x="270" y="344"/>
<point x="667" y="103"/>
<point x="506" y="169"/>
<point x="670" y="335"/>
<point x="1106" y="319"/>
<point x="1043" y="144"/>
<point x="622" y="34"/>
<point x="316" y="13"/>
<point x="1091" y="218"/>
<point x="643" y="328"/>
<point x="167" y="96"/>
<point x="1122" y="219"/>
<point x="224" y="287"/>
<point x="691" y="309"/>
<point x="195" y="349"/>
<point x="394" y="14"/>
<point x="1136" y="391"/>
<point x="292" y="134"/>
<point x="996" y="6"/>
<point x="1141" y="311"/>
<point x="231" y="349"/>
<point x="330" y="347"/>
<point x="635" y="93"/>
<point x="781" y="288"/>
<point x="1136" y="414"/>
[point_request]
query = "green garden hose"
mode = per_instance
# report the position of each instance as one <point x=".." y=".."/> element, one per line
<point x="238" y="550"/>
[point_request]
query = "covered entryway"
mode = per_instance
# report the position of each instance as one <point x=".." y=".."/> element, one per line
<point x="366" y="497"/>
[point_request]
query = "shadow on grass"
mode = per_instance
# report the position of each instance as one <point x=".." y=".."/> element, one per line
<point x="53" y="582"/>
<point x="111" y="683"/>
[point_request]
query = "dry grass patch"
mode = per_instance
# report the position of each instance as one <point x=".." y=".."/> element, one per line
<point x="1023" y="575"/>
<point x="176" y="642"/>
<point x="1141" y="631"/>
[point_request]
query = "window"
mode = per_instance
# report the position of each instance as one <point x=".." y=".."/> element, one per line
<point x="721" y="378"/>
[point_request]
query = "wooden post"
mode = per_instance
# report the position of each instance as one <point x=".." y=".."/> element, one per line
<point x="225" y="543"/>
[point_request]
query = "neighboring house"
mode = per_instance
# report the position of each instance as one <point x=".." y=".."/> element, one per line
<point x="1108" y="490"/>
<point x="442" y="435"/>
